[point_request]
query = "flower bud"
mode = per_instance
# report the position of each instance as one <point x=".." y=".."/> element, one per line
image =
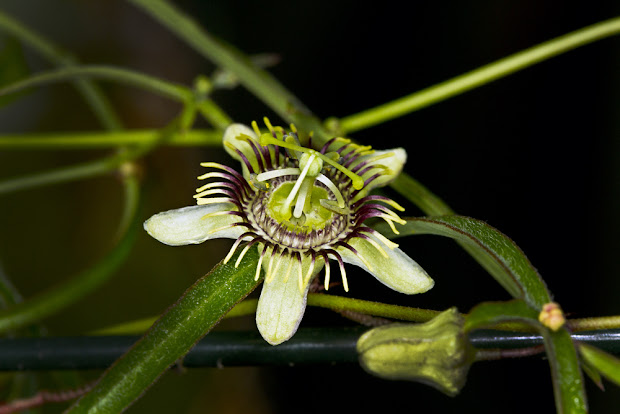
<point x="436" y="353"/>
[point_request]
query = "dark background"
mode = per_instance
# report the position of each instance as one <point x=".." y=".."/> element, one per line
<point x="536" y="155"/>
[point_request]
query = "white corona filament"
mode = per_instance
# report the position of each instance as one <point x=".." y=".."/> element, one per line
<point x="327" y="275"/>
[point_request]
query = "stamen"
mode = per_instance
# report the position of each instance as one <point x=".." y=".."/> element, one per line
<point x="332" y="187"/>
<point x="268" y="175"/>
<point x="302" y="197"/>
<point x="286" y="208"/>
<point x="260" y="185"/>
<point x="356" y="180"/>
<point x="333" y="207"/>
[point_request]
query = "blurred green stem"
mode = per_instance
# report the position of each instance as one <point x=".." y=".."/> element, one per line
<point x="385" y="310"/>
<point x="91" y="92"/>
<point x="479" y="77"/>
<point x="257" y="81"/>
<point x="105" y="139"/>
<point x="166" y="89"/>
<point x="102" y="166"/>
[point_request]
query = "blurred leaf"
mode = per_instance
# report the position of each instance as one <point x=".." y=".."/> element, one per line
<point x="602" y="362"/>
<point x="172" y="336"/>
<point x="497" y="253"/>
<point x="592" y="373"/>
<point x="13" y="67"/>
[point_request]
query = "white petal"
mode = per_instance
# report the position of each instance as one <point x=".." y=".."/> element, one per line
<point x="187" y="226"/>
<point x="282" y="303"/>
<point x="398" y="271"/>
<point x="232" y="136"/>
<point x="394" y="163"/>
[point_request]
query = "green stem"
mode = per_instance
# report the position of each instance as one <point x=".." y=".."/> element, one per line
<point x="140" y="80"/>
<point x="98" y="167"/>
<point x="594" y="324"/>
<point x="339" y="303"/>
<point x="479" y="77"/>
<point x="60" y="175"/>
<point x="214" y="115"/>
<point x="103" y="139"/>
<point x="91" y="92"/>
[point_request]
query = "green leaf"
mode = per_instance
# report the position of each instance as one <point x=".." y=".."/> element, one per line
<point x="171" y="337"/>
<point x="570" y="396"/>
<point x="13" y="67"/>
<point x="497" y="253"/>
<point x="602" y="362"/>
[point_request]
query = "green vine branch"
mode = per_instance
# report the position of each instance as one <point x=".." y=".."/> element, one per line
<point x="478" y="77"/>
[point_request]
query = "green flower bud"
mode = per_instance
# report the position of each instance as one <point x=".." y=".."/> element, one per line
<point x="436" y="353"/>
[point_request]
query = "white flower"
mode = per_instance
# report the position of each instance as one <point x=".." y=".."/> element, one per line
<point x="300" y="207"/>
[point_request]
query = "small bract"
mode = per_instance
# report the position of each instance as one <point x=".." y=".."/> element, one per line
<point x="300" y="207"/>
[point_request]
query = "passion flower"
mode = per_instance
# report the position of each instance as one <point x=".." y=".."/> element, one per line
<point x="300" y="207"/>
